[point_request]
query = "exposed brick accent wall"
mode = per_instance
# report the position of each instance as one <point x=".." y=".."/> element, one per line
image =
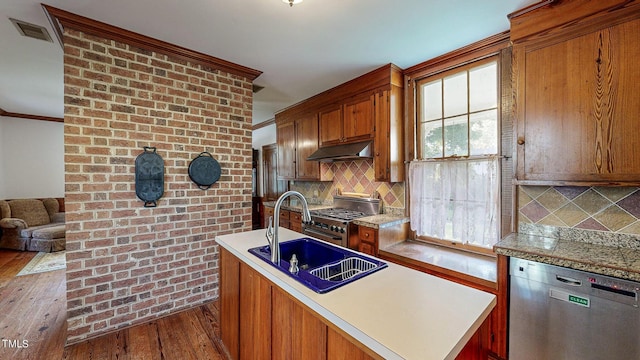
<point x="127" y="264"/>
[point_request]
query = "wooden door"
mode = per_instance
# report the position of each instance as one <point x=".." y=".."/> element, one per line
<point x="577" y="106"/>
<point x="307" y="144"/>
<point x="296" y="332"/>
<point x="273" y="187"/>
<point x="358" y="118"/>
<point x="330" y="124"/>
<point x="286" y="140"/>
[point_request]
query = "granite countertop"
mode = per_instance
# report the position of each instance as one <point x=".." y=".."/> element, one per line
<point x="381" y="221"/>
<point x="296" y="205"/>
<point x="620" y="262"/>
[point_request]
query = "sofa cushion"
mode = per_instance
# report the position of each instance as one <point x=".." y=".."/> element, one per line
<point x="5" y="210"/>
<point x="49" y="232"/>
<point x="28" y="232"/>
<point x="52" y="206"/>
<point x="32" y="211"/>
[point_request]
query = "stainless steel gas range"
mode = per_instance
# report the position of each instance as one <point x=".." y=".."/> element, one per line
<point x="335" y="224"/>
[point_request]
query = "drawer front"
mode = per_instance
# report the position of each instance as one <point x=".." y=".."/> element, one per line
<point x="367" y="248"/>
<point x="284" y="215"/>
<point x="295" y="217"/>
<point x="367" y="234"/>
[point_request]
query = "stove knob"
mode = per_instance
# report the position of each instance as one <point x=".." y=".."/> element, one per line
<point x="342" y="230"/>
<point x="333" y="228"/>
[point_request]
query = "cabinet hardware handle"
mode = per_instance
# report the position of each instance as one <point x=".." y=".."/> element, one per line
<point x="521" y="141"/>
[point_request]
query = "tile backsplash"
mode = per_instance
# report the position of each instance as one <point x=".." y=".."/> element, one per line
<point x="352" y="176"/>
<point x="609" y="209"/>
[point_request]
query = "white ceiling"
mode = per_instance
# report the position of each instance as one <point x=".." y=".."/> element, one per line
<point x="302" y="50"/>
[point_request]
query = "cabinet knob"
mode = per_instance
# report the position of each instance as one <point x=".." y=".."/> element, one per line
<point x="366" y="235"/>
<point x="521" y="140"/>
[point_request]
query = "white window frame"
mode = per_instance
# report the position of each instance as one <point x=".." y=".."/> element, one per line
<point x="464" y="157"/>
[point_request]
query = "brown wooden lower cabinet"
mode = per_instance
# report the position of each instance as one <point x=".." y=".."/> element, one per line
<point x="295" y="221"/>
<point x="340" y="348"/>
<point x="291" y="220"/>
<point x="268" y="213"/>
<point x="296" y="332"/>
<point x="260" y="321"/>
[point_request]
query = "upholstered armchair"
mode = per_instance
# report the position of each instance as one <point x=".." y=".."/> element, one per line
<point x="32" y="225"/>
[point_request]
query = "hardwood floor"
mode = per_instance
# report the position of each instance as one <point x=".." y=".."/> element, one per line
<point x="191" y="334"/>
<point x="33" y="308"/>
<point x="33" y="321"/>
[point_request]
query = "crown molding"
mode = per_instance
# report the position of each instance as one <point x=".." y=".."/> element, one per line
<point x="61" y="19"/>
<point x="31" y="117"/>
<point x="263" y="124"/>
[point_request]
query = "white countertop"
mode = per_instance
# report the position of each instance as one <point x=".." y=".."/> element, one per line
<point x="397" y="312"/>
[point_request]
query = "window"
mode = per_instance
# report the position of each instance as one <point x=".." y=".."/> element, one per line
<point x="455" y="182"/>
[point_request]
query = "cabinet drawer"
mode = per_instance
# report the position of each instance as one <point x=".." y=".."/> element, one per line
<point x="367" y="248"/>
<point x="284" y="215"/>
<point x="367" y="234"/>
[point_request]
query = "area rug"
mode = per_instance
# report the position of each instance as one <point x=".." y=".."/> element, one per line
<point x="44" y="262"/>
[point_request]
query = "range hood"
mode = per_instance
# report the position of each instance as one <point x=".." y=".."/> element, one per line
<point x="359" y="150"/>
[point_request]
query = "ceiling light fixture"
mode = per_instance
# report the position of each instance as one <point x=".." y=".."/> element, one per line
<point x="292" y="2"/>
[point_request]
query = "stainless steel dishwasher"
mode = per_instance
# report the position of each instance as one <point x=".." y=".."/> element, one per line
<point x="559" y="313"/>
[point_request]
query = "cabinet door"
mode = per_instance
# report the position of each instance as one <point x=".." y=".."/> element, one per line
<point x="295" y="221"/>
<point x="306" y="144"/>
<point x="340" y="348"/>
<point x="268" y="212"/>
<point x="577" y="106"/>
<point x="255" y="315"/>
<point x="358" y="119"/>
<point x="283" y="218"/>
<point x="368" y="240"/>
<point x="296" y="332"/>
<point x="382" y="137"/>
<point x="330" y="126"/>
<point x="286" y="139"/>
<point x="229" y="302"/>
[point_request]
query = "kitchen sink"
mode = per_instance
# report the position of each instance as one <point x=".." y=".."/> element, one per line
<point x="321" y="267"/>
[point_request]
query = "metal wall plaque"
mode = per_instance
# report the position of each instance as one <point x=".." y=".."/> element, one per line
<point x="149" y="177"/>
<point x="204" y="170"/>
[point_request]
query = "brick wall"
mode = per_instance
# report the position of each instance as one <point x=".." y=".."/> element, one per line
<point x="127" y="264"/>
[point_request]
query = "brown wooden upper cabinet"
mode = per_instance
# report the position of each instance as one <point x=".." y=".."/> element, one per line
<point x="350" y="122"/>
<point x="577" y="94"/>
<point x="297" y="139"/>
<point x="368" y="107"/>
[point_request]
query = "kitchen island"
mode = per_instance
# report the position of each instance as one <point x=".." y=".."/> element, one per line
<point x="395" y="313"/>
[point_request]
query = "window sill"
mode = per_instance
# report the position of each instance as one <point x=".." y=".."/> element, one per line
<point x="460" y="266"/>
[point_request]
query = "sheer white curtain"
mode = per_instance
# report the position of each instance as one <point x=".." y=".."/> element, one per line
<point x="456" y="199"/>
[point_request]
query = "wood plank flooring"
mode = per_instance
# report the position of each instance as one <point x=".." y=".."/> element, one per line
<point x="191" y="334"/>
<point x="33" y="308"/>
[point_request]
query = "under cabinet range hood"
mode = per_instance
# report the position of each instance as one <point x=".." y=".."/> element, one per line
<point x="359" y="150"/>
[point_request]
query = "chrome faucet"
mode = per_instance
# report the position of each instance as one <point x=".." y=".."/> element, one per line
<point x="274" y="224"/>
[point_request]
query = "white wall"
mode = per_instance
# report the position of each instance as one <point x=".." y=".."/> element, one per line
<point x="31" y="158"/>
<point x="261" y="137"/>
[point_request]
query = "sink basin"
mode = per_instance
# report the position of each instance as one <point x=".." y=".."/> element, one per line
<point x="322" y="267"/>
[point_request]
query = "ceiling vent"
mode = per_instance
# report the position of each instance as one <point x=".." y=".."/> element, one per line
<point x="257" y="88"/>
<point x="31" y="30"/>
